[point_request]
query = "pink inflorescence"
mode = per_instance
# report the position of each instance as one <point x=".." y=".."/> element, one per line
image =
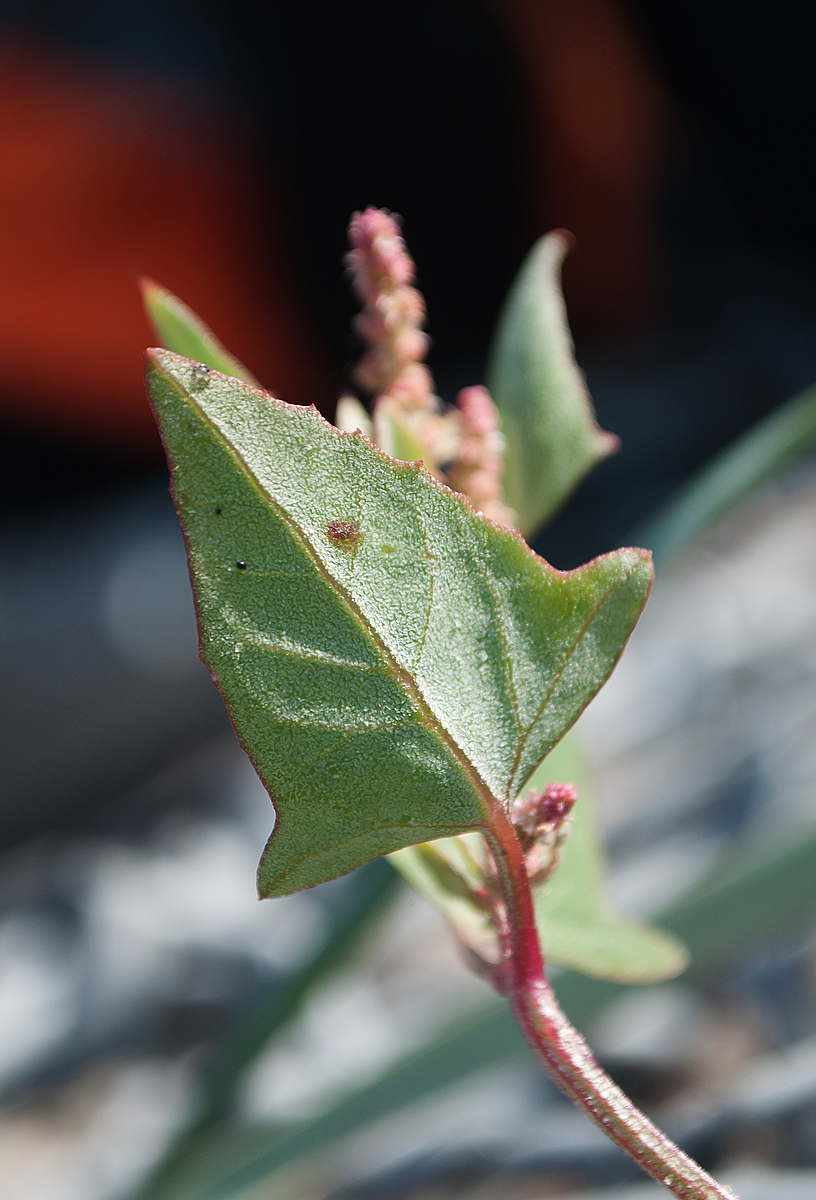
<point x="463" y="446"/>
<point x="393" y="313"/>
<point x="542" y="822"/>
<point x="545" y="810"/>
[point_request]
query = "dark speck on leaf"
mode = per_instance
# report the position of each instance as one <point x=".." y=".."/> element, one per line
<point x="344" y="534"/>
<point x="241" y="565"/>
<point x="218" y="511"/>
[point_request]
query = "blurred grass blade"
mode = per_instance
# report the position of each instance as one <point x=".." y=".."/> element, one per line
<point x="755" y="896"/>
<point x="181" y="330"/>
<point x="547" y="418"/>
<point x="473" y="1043"/>
<point x="363" y="902"/>
<point x="752" y="896"/>
<point x="777" y="441"/>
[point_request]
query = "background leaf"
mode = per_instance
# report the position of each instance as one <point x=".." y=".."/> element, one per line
<point x="553" y="439"/>
<point x="394" y="663"/>
<point x="181" y="330"/>
<point x="428" y="870"/>
<point x="779" y="440"/>
<point x="579" y="928"/>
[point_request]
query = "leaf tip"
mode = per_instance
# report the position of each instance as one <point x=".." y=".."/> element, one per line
<point x="608" y="443"/>
<point x="148" y="287"/>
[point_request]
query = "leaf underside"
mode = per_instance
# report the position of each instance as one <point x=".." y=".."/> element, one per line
<point x="547" y="418"/>
<point x="394" y="664"/>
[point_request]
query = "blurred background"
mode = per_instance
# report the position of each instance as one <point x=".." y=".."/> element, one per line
<point x="220" y="149"/>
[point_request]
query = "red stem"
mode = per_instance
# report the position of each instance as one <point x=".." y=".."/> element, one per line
<point x="561" y="1049"/>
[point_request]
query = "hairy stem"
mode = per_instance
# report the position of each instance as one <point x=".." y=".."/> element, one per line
<point x="561" y="1049"/>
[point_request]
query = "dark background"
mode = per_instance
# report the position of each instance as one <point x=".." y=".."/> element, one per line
<point x="674" y="140"/>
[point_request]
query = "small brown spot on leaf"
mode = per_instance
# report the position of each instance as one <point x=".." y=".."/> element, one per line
<point x="344" y="533"/>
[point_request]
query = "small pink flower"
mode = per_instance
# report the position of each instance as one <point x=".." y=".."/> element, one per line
<point x="542" y="822"/>
<point x="545" y="809"/>
<point x="477" y="469"/>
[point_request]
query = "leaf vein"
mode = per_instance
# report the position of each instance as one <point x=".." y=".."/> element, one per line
<point x="557" y="677"/>
<point x="502" y="632"/>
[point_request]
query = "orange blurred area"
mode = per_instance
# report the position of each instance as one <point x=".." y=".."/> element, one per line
<point x="105" y="178"/>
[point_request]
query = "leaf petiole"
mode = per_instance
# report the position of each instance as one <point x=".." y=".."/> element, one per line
<point x="521" y="978"/>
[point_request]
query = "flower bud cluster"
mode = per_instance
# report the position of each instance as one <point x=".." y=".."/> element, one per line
<point x="542" y="822"/>
<point x="462" y="446"/>
<point x="393" y="313"/>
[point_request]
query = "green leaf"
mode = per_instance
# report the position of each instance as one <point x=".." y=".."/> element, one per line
<point x="778" y="441"/>
<point x="578" y="927"/>
<point x="395" y="437"/>
<point x="181" y="330"/>
<point x="395" y="665"/>
<point x="547" y="418"/>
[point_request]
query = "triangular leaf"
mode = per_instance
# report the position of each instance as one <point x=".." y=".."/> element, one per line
<point x="395" y="664"/>
<point x="547" y="418"/>
<point x="181" y="330"/>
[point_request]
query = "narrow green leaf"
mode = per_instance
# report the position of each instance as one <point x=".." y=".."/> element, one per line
<point x="181" y="330"/>
<point x="578" y="927"/>
<point x="395" y="664"/>
<point x="365" y="902"/>
<point x="547" y="418"/>
<point x="777" y="441"/>
<point x="754" y="895"/>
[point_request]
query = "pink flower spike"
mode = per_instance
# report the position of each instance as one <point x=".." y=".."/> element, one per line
<point x="391" y="322"/>
<point x="479" y="463"/>
<point x="378" y="258"/>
